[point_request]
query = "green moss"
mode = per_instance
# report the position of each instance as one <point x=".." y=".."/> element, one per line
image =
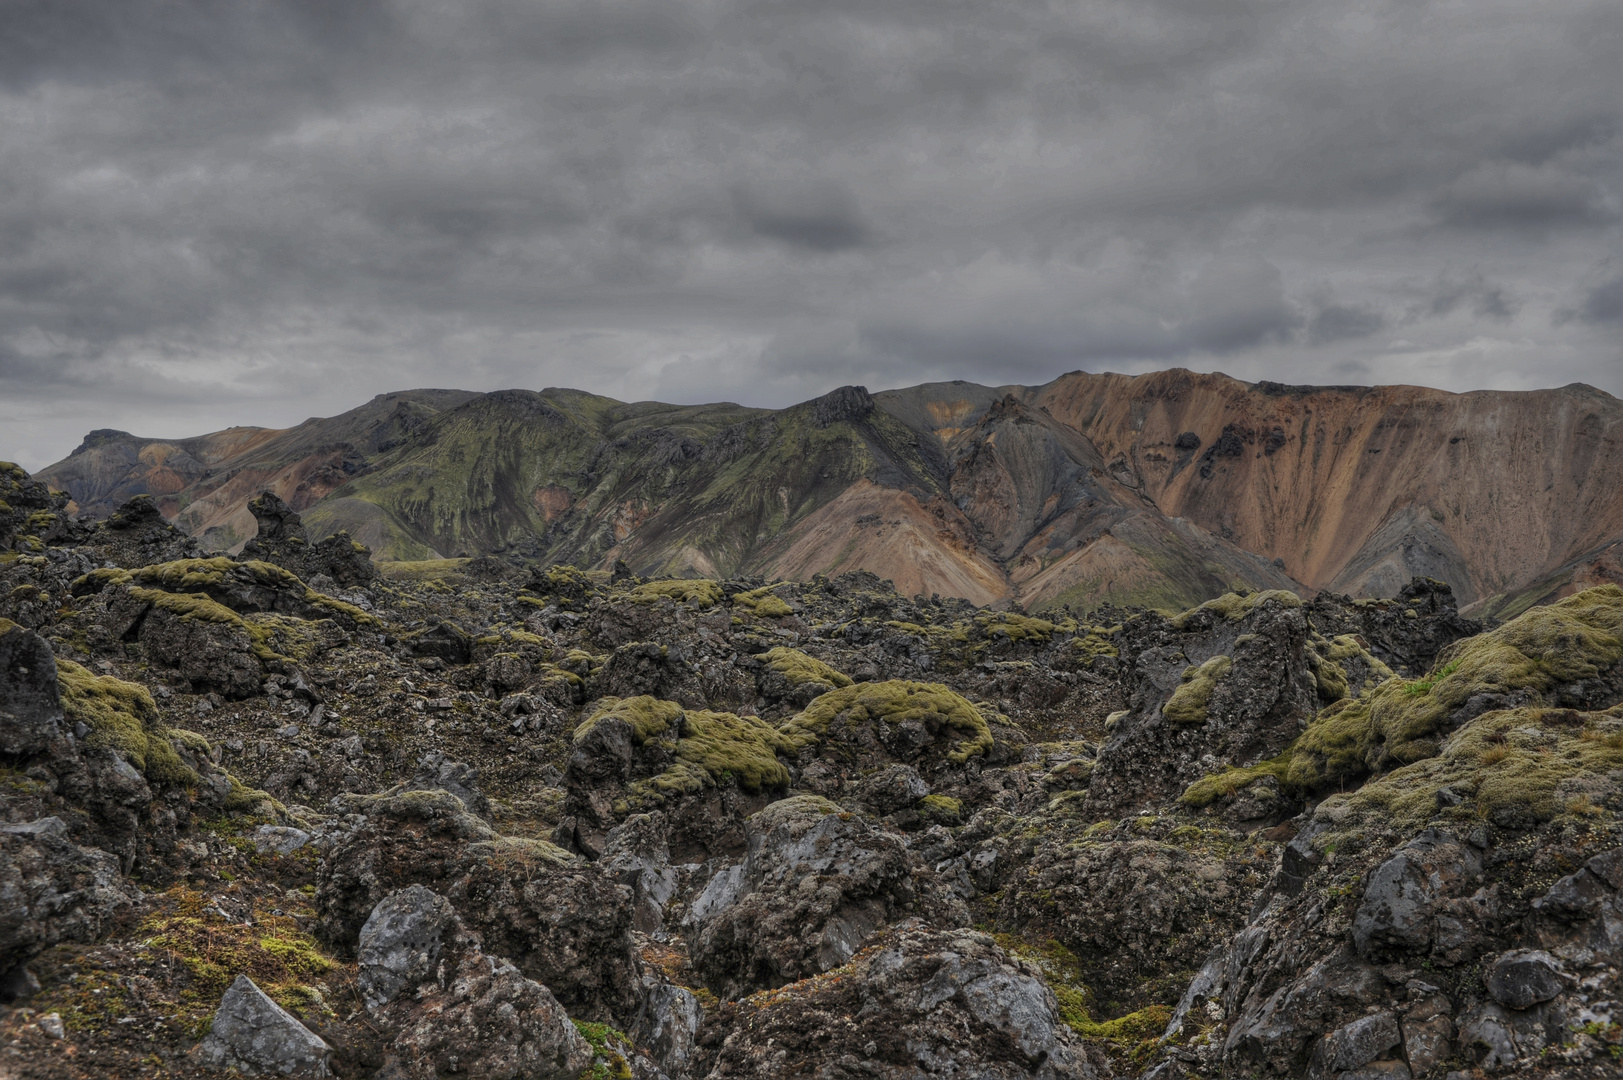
<point x="794" y="806"/>
<point x="1400" y="721"/>
<point x="682" y="778"/>
<point x="606" y="1044"/>
<point x="1024" y="627"/>
<point x="510" y="853"/>
<point x="1098" y="641"/>
<point x="423" y="569"/>
<point x="743" y="748"/>
<point x="281" y="959"/>
<point x="1232" y="780"/>
<point x="1235" y="606"/>
<point x="122" y="717"/>
<point x="941" y="810"/>
<point x="246" y="800"/>
<point x="1188" y="702"/>
<point x="1515" y="768"/>
<point x="699" y="592"/>
<point x="798" y="668"/>
<point x="649" y="717"/>
<point x="763" y="603"/>
<point x="1146" y="1023"/>
<point x="895" y="701"/>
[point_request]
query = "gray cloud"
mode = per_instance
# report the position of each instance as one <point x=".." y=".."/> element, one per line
<point x="1604" y="304"/>
<point x="218" y="213"/>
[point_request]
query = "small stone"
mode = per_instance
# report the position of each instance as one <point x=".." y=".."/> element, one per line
<point x="1525" y="977"/>
<point x="279" y="838"/>
<point x="251" y="1033"/>
<point x="51" y="1025"/>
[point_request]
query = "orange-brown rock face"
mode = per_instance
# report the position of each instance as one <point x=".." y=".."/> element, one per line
<point x="1357" y="489"/>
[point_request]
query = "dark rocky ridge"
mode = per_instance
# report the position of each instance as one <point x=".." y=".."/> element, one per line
<point x="472" y="819"/>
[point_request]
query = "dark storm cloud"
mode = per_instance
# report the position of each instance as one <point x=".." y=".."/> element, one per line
<point x="1603" y="304"/>
<point x="276" y="208"/>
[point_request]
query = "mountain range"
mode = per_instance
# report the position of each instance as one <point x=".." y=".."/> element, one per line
<point x="1156" y="490"/>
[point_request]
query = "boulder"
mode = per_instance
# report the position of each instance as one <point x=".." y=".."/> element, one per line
<point x="637" y="855"/>
<point x="52" y="890"/>
<point x="667" y="1027"/>
<point x="1399" y="910"/>
<point x="281" y="540"/>
<point x="1354" y="1045"/>
<point x="561" y="920"/>
<point x="482" y="1018"/>
<point x="1229" y="683"/>
<point x="400" y="943"/>
<point x="253" y="1034"/>
<point x="815" y="884"/>
<point x="1524" y="977"/>
<point x="931" y="1003"/>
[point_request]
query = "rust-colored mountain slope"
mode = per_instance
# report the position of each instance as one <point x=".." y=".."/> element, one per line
<point x="1359" y="488"/>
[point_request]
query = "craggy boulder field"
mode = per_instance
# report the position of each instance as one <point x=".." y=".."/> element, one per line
<point x="292" y="814"/>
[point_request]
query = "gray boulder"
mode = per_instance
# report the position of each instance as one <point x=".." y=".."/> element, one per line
<point x="668" y="1026"/>
<point x="931" y="1003"/>
<point x="481" y="1018"/>
<point x="436" y="772"/>
<point x="52" y="890"/>
<point x="815" y="884"/>
<point x="1355" y="1045"/>
<point x="253" y="1034"/>
<point x="282" y="839"/>
<point x="401" y="942"/>
<point x="637" y="855"/>
<point x="1525" y="977"/>
<point x="1399" y="910"/>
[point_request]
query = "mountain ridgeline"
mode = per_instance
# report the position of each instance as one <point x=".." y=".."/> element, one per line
<point x="1157" y="490"/>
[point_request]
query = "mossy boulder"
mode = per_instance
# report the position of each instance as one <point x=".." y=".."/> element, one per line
<point x="1567" y="653"/>
<point x="905" y="718"/>
<point x="1188" y="702"/>
<point x="696" y="592"/>
<point x="122" y="717"/>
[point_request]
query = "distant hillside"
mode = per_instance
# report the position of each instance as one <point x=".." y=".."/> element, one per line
<point x="1161" y="489"/>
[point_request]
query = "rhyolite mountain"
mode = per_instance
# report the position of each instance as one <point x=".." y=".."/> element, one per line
<point x="1161" y="489"/>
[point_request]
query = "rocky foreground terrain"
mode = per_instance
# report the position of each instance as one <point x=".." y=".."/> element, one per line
<point x="280" y="814"/>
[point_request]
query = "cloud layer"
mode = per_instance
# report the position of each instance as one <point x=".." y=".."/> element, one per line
<point x="217" y="213"/>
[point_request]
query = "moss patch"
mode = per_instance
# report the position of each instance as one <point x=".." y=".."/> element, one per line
<point x="1400" y="721"/>
<point x="798" y="668"/>
<point x="895" y="701"/>
<point x="284" y="961"/>
<point x="941" y="810"/>
<point x="1516" y="768"/>
<point x="1188" y="702"/>
<point x="649" y="717"/>
<point x="1024" y="627"/>
<point x="761" y="602"/>
<point x="1232" y="780"/>
<point x="795" y="806"/>
<point x="1236" y="606"/>
<point x="743" y="749"/>
<point x="122" y="717"/>
<point x="699" y="592"/>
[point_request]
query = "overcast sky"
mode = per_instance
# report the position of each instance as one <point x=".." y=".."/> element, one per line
<point x="254" y="212"/>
